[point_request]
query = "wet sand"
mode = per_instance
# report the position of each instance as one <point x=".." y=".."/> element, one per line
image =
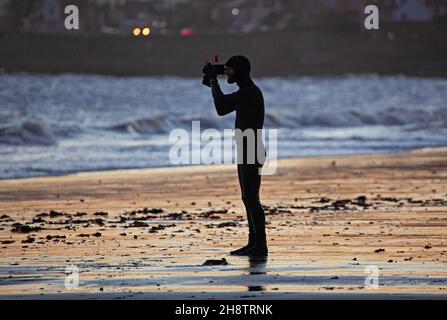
<point x="147" y="233"/>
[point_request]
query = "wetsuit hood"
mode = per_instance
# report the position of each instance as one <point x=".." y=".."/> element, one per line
<point x="241" y="66"/>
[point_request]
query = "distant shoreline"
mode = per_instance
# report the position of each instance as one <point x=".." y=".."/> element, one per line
<point x="291" y="76"/>
<point x="412" y="50"/>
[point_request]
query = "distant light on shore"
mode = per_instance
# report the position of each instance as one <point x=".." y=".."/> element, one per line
<point x="187" y="32"/>
<point x="141" y="31"/>
<point x="136" y="32"/>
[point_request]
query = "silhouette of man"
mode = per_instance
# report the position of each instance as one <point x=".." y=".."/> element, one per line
<point x="248" y="102"/>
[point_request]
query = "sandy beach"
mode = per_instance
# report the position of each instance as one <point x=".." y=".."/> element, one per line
<point x="146" y="234"/>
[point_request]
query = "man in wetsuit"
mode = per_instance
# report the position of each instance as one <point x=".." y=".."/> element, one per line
<point x="248" y="102"/>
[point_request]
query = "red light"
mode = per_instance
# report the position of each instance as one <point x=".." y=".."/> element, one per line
<point x="187" y="32"/>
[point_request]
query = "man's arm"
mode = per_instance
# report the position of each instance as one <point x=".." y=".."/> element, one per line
<point x="224" y="103"/>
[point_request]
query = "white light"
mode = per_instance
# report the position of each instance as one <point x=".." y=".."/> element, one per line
<point x="235" y="11"/>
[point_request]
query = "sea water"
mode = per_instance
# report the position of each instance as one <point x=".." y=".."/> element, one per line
<point x="60" y="124"/>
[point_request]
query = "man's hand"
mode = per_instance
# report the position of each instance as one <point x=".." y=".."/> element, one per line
<point x="211" y="72"/>
<point x="206" y="81"/>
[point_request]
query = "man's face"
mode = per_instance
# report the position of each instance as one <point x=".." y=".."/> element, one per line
<point x="229" y="72"/>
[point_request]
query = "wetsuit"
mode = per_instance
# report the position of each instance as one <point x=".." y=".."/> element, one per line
<point x="248" y="102"/>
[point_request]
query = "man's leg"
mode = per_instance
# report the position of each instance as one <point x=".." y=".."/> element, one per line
<point x="251" y="228"/>
<point x="251" y="182"/>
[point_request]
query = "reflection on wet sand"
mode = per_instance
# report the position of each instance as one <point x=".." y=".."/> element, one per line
<point x="257" y="266"/>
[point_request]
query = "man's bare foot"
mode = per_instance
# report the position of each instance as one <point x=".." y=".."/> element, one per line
<point x="242" y="250"/>
<point x="256" y="251"/>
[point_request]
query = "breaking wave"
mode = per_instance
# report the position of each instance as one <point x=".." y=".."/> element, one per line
<point x="164" y="124"/>
<point x="39" y="133"/>
<point x="351" y="118"/>
<point x="27" y="132"/>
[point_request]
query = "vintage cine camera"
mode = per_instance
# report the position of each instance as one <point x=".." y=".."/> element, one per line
<point x="220" y="69"/>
